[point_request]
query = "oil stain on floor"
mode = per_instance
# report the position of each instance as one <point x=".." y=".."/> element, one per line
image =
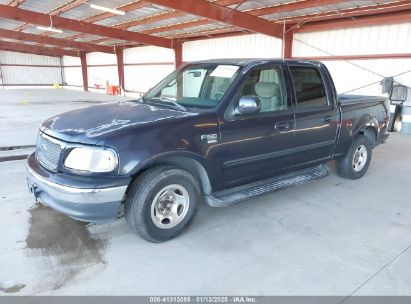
<point x="12" y="289"/>
<point x="66" y="247"/>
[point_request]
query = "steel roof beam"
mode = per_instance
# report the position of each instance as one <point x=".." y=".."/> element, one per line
<point x="148" y="19"/>
<point x="223" y="14"/>
<point x="68" y="6"/>
<point x="349" y="13"/>
<point x="79" y="26"/>
<point x="167" y="15"/>
<point x="33" y="49"/>
<point x="307" y="19"/>
<point x="15" y="2"/>
<point x="90" y="47"/>
<point x="218" y="33"/>
<point x="255" y="12"/>
<point x="176" y="27"/>
<point x="293" y="6"/>
<point x="125" y="8"/>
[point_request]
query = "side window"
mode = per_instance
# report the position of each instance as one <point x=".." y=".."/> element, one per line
<point x="309" y="87"/>
<point x="267" y="85"/>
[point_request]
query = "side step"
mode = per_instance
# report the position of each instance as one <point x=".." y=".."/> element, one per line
<point x="238" y="194"/>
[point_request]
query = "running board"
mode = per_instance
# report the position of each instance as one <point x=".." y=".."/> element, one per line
<point x="238" y="194"/>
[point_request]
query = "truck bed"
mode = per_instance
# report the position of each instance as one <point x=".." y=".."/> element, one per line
<point x="354" y="110"/>
<point x="348" y="99"/>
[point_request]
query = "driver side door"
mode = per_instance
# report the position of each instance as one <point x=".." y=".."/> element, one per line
<point x="259" y="145"/>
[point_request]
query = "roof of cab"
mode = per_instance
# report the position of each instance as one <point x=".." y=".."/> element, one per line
<point x="255" y="61"/>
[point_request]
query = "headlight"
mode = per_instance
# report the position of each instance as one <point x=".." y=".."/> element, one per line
<point x="91" y="160"/>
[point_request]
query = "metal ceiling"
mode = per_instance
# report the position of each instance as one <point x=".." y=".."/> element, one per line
<point x="161" y="21"/>
<point x="9" y="24"/>
<point x="43" y="6"/>
<point x="165" y="22"/>
<point x="326" y="8"/>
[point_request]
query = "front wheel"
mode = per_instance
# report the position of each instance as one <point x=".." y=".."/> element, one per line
<point x="161" y="203"/>
<point x="355" y="164"/>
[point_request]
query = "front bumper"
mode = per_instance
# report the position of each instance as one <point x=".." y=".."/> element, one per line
<point x="94" y="200"/>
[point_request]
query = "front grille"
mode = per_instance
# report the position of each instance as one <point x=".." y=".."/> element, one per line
<point x="48" y="151"/>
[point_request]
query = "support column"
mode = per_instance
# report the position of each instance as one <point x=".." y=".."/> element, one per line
<point x="288" y="45"/>
<point x="83" y="58"/>
<point x="178" y="53"/>
<point x="120" y="68"/>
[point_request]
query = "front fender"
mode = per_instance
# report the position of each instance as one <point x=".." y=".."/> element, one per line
<point x="157" y="159"/>
<point x="186" y="160"/>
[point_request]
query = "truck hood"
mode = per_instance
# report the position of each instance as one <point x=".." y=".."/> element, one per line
<point x="91" y="124"/>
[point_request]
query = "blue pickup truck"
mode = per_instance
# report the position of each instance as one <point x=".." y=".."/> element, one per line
<point x="218" y="131"/>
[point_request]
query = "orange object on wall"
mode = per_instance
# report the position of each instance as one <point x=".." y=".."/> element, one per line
<point x="113" y="90"/>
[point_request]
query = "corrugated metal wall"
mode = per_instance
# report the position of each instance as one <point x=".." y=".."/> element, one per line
<point x="252" y="46"/>
<point x="348" y="77"/>
<point x="19" y="69"/>
<point x="145" y="66"/>
<point x="385" y="39"/>
<point x="102" y="67"/>
<point x="72" y="71"/>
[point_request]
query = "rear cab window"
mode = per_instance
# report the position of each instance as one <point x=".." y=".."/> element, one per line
<point x="310" y="91"/>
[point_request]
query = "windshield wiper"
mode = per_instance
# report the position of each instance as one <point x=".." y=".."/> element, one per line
<point x="139" y="100"/>
<point x="168" y="100"/>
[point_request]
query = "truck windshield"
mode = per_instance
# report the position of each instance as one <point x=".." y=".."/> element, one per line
<point x="197" y="86"/>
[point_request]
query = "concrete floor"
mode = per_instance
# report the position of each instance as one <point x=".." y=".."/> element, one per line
<point x="23" y="110"/>
<point x="328" y="237"/>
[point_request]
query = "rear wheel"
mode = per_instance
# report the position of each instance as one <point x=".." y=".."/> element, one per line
<point x="161" y="203"/>
<point x="355" y="164"/>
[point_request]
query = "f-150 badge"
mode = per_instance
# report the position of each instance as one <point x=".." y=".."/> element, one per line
<point x="210" y="138"/>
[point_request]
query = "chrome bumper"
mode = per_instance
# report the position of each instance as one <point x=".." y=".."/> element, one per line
<point x="85" y="204"/>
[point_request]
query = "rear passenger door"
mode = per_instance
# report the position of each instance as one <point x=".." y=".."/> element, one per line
<point x="315" y="115"/>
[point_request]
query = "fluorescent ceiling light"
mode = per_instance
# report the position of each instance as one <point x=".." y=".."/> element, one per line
<point x="49" y="29"/>
<point x="106" y="9"/>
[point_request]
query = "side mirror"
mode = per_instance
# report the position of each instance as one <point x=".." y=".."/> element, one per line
<point x="248" y="105"/>
<point x="398" y="94"/>
<point x="195" y="73"/>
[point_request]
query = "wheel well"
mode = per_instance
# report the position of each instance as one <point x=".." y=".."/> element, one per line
<point x="192" y="166"/>
<point x="371" y="134"/>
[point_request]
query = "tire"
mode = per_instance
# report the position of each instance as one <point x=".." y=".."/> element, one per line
<point x="161" y="203"/>
<point x="353" y="165"/>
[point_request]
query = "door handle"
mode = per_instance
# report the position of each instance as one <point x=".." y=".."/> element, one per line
<point x="327" y="118"/>
<point x="282" y="125"/>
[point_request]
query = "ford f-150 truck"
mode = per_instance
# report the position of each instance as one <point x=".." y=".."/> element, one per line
<point x="218" y="131"/>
